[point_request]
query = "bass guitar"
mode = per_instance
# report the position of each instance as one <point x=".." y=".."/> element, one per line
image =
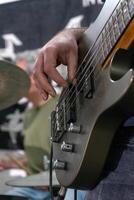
<point x="90" y="112"/>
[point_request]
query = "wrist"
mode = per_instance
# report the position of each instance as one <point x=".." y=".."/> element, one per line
<point x="77" y="32"/>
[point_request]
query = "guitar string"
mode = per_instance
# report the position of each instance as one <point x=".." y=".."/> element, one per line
<point x="117" y="15"/>
<point x="87" y="54"/>
<point x="85" y="66"/>
<point x="106" y="32"/>
<point x="83" y="85"/>
<point x="90" y="72"/>
<point x="64" y="93"/>
<point x="107" y="38"/>
<point x="81" y="88"/>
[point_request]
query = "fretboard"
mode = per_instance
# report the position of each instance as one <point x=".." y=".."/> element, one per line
<point x="113" y="29"/>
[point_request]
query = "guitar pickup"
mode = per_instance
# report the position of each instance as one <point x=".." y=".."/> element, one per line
<point x="58" y="122"/>
<point x="89" y="86"/>
<point x="64" y="114"/>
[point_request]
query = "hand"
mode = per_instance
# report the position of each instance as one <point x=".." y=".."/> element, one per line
<point x="61" y="49"/>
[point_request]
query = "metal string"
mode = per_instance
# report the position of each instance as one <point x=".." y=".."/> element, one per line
<point x="90" y="61"/>
<point x="87" y="54"/>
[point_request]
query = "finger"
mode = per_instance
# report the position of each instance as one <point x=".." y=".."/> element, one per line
<point x="46" y="88"/>
<point x="41" y="80"/>
<point x="35" y="74"/>
<point x="50" y="64"/>
<point x="72" y="64"/>
<point x="43" y="94"/>
<point x="55" y="76"/>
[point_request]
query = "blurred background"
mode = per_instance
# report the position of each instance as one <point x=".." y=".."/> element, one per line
<point x="25" y="26"/>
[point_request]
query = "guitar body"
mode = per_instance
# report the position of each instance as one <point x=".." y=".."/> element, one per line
<point x="99" y="116"/>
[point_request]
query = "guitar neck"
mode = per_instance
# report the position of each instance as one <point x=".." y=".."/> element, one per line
<point x="104" y="34"/>
<point x="115" y="27"/>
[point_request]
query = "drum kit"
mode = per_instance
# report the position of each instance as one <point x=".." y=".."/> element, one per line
<point x="15" y="84"/>
<point x="37" y="180"/>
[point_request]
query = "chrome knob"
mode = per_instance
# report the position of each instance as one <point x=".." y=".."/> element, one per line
<point x="74" y="128"/>
<point x="59" y="164"/>
<point x="67" y="147"/>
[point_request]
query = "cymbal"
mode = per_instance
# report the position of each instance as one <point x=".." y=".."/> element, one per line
<point x="37" y="180"/>
<point x="14" y="84"/>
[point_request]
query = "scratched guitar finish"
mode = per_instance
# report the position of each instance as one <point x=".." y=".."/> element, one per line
<point x="88" y="114"/>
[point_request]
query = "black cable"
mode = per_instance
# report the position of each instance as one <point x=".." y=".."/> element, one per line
<point x="50" y="172"/>
<point x="75" y="194"/>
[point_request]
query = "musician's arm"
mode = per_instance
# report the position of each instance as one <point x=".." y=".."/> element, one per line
<point x="61" y="49"/>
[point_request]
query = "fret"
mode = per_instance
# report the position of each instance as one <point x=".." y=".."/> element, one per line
<point x="101" y="57"/>
<point x="131" y="7"/>
<point x="116" y="27"/>
<point x="120" y="19"/>
<point x="106" y="39"/>
<point x="104" y="43"/>
<point x="125" y="11"/>
<point x="96" y="57"/>
<point x="99" y="51"/>
<point x="122" y="14"/>
<point x="113" y="29"/>
<point x="109" y="34"/>
<point x="102" y="47"/>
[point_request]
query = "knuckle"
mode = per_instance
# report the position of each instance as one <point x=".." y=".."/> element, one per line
<point x="49" y="49"/>
<point x="40" y="51"/>
<point x="34" y="75"/>
<point x="47" y="69"/>
<point x="72" y="46"/>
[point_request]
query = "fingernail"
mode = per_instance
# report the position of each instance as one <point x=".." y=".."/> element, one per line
<point x="44" y="96"/>
<point x="52" y="94"/>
